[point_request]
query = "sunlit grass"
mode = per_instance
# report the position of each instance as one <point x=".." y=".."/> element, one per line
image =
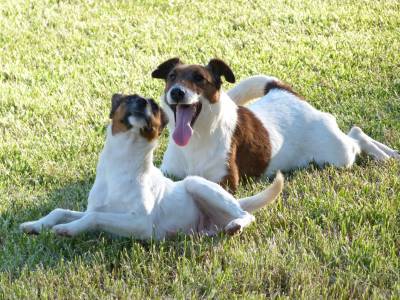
<point x="334" y="233"/>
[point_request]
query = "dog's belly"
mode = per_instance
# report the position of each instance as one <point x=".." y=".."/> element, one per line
<point x="201" y="224"/>
<point x="207" y="225"/>
<point x="176" y="212"/>
<point x="185" y="226"/>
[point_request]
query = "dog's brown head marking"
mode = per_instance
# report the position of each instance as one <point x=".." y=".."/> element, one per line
<point x="145" y="111"/>
<point x="188" y="88"/>
<point x="202" y="80"/>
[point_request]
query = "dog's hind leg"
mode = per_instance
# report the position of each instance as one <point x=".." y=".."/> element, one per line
<point x="389" y="151"/>
<point x="127" y="224"/>
<point x="378" y="150"/>
<point x="57" y="216"/>
<point x="218" y="204"/>
<point x="250" y="88"/>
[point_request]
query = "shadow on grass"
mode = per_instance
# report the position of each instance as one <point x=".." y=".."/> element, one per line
<point x="24" y="252"/>
<point x="21" y="252"/>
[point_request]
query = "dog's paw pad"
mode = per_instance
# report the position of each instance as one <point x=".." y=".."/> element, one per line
<point x="29" y="228"/>
<point x="208" y="233"/>
<point x="233" y="228"/>
<point x="62" y="231"/>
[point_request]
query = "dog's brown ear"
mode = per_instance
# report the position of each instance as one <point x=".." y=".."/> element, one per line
<point x="163" y="116"/>
<point x="219" y="68"/>
<point x="115" y="102"/>
<point x="163" y="70"/>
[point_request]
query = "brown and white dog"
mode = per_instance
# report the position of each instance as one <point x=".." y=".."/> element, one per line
<point x="215" y="138"/>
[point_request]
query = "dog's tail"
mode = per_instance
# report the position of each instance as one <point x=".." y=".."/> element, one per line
<point x="267" y="196"/>
<point x="251" y="88"/>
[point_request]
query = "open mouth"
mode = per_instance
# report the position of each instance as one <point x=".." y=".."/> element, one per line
<point x="185" y="117"/>
<point x="140" y="116"/>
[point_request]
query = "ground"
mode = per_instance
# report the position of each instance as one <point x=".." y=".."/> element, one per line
<point x="333" y="233"/>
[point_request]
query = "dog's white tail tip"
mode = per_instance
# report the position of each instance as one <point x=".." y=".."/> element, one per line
<point x="266" y="197"/>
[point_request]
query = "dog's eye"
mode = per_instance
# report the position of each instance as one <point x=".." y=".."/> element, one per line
<point x="198" y="77"/>
<point x="172" y="76"/>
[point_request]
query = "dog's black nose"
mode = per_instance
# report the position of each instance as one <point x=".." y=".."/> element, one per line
<point x="140" y="104"/>
<point x="177" y="94"/>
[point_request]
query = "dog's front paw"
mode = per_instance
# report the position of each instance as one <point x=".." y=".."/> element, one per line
<point x="63" y="230"/>
<point x="236" y="225"/>
<point x="32" y="227"/>
<point x="396" y="154"/>
<point x="208" y="232"/>
<point x="233" y="227"/>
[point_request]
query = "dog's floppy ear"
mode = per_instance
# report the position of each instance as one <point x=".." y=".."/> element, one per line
<point x="163" y="116"/>
<point x="162" y="70"/>
<point x="219" y="68"/>
<point x="115" y="102"/>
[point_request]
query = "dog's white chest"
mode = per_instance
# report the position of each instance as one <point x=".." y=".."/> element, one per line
<point x="205" y="159"/>
<point x="213" y="168"/>
<point x="117" y="189"/>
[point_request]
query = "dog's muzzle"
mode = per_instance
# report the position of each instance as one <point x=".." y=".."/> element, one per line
<point x="177" y="94"/>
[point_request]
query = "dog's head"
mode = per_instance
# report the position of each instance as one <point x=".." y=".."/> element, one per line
<point x="188" y="89"/>
<point x="139" y="115"/>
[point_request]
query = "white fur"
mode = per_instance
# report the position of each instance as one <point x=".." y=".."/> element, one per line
<point x="299" y="134"/>
<point x="130" y="197"/>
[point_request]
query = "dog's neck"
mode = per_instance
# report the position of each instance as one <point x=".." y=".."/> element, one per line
<point x="129" y="152"/>
<point x="223" y="118"/>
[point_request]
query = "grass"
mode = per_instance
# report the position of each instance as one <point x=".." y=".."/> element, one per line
<point x="334" y="233"/>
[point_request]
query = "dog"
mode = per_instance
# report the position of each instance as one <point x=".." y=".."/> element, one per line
<point x="215" y="138"/>
<point x="131" y="197"/>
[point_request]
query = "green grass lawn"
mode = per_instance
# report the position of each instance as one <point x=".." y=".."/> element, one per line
<point x="333" y="233"/>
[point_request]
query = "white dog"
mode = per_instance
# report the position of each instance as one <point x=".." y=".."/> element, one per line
<point x="130" y="197"/>
<point x="214" y="138"/>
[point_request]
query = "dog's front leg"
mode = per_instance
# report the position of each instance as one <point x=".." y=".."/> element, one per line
<point x="139" y="226"/>
<point x="212" y="199"/>
<point x="57" y="216"/>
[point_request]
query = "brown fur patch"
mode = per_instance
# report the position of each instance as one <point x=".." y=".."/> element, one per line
<point x="203" y="80"/>
<point x="250" y="149"/>
<point x="118" y="115"/>
<point x="196" y="78"/>
<point x="156" y="124"/>
<point x="282" y="86"/>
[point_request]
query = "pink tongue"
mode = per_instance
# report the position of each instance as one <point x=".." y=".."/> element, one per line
<point x="183" y="131"/>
